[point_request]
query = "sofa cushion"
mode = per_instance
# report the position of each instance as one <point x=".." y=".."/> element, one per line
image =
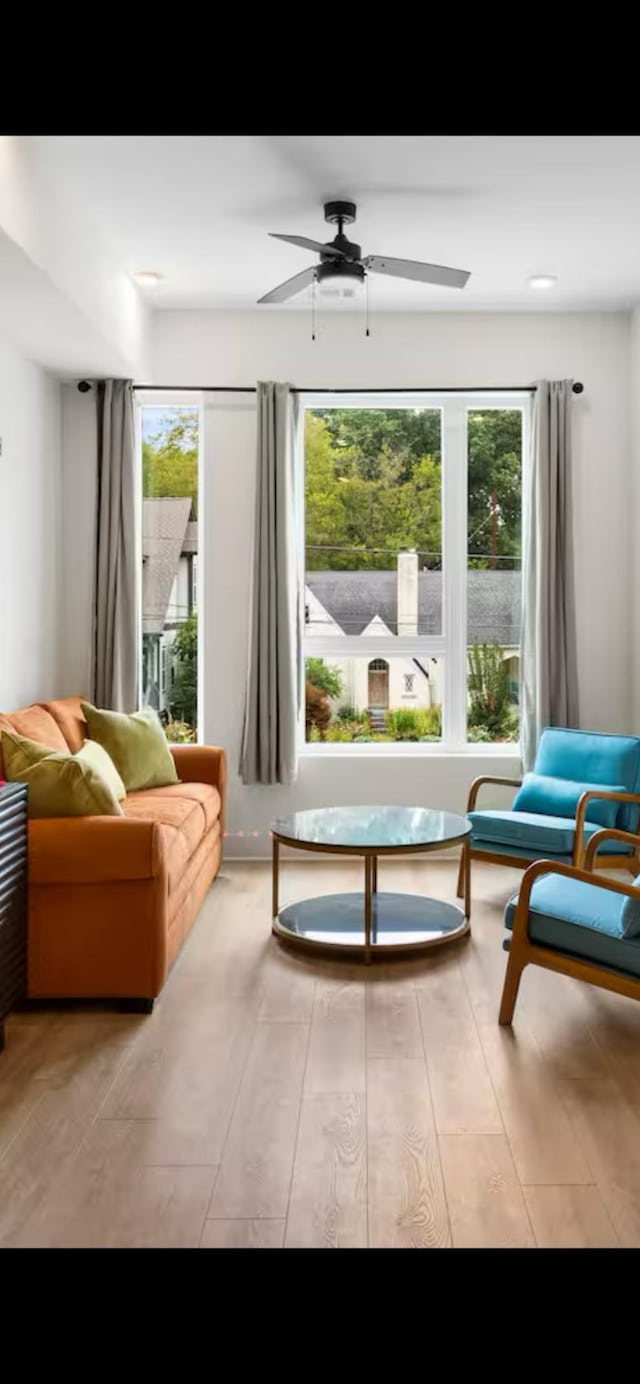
<point x="36" y="724"/>
<point x="205" y="794"/>
<point x="68" y="716"/>
<point x="532" y="830"/>
<point x="589" y="756"/>
<point x="136" y="744"/>
<point x="580" y="920"/>
<point x="558" y="797"/>
<point x="182" y="820"/>
<point x="96" y="757"/>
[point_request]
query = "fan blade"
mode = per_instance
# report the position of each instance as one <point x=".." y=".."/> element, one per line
<point x="290" y="287"/>
<point x="413" y="269"/>
<point x="310" y="245"/>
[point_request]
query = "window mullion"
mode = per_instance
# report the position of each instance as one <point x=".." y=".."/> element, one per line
<point x="454" y="536"/>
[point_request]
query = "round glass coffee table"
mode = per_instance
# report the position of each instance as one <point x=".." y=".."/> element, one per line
<point x="373" y="922"/>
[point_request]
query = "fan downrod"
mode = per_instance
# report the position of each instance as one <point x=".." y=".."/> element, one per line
<point x="340" y="213"/>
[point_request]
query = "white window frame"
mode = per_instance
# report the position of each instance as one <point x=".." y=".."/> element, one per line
<point x="451" y="644"/>
<point x="146" y="398"/>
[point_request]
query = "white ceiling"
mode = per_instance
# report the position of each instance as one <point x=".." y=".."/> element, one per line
<point x="198" y="210"/>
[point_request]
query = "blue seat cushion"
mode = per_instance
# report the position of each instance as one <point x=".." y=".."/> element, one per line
<point x="533" y="833"/>
<point x="591" y="757"/>
<point x="580" y="920"/>
<point x="559" y="797"/>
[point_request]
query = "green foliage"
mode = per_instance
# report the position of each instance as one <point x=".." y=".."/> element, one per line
<point x="326" y="678"/>
<point x="179" y="733"/>
<point x="489" y="693"/>
<point x="407" y="723"/>
<point x="170" y="460"/>
<point x="373" y="482"/>
<point x="183" y="693"/>
<point x="317" y="710"/>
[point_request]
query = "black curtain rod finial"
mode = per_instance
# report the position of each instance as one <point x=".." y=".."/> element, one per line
<point x="84" y="386"/>
<point x="578" y="387"/>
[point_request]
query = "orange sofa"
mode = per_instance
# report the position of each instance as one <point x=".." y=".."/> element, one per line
<point x="111" y="899"/>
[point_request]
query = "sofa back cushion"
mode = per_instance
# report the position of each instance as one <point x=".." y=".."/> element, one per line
<point x="588" y="757"/>
<point x="559" y="797"/>
<point x="36" y="723"/>
<point x="68" y="716"/>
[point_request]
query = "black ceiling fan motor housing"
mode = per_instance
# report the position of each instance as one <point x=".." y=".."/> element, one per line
<point x="335" y="212"/>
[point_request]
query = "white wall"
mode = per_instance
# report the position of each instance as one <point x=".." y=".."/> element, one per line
<point x="633" y="562"/>
<point x="77" y="557"/>
<point x="425" y="351"/>
<point x="30" y="531"/>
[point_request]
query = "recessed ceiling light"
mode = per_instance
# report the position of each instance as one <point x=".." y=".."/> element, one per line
<point x="147" y="277"/>
<point x="542" y="280"/>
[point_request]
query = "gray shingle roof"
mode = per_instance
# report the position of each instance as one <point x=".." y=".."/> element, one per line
<point x="354" y="598"/>
<point x="164" y="527"/>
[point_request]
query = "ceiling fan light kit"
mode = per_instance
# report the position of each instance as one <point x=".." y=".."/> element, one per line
<point x="342" y="268"/>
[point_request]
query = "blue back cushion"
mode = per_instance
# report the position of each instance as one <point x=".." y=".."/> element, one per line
<point x="589" y="757"/>
<point x="559" y="797"/>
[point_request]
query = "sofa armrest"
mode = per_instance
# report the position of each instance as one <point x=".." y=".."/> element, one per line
<point x="488" y="778"/>
<point x="93" y="850"/>
<point x="581" y="812"/>
<point x="609" y="834"/>
<point x="203" y="764"/>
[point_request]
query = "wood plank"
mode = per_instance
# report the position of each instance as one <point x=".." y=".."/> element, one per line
<point x="255" y="1172"/>
<point x="337" y="1048"/>
<point x="393" y="1025"/>
<point x="328" y="1204"/>
<point x="570" y="1218"/>
<point x="484" y="1197"/>
<point x="461" y="1090"/>
<point x="607" y="1127"/>
<point x="288" y="988"/>
<point x="407" y="1205"/>
<point x="184" y="1078"/>
<point x="105" y="1198"/>
<point x="543" y="1141"/>
<point x="243" y="1234"/>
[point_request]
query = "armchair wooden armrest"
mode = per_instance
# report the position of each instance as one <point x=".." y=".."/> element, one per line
<point x="583" y="803"/>
<point x="488" y="778"/>
<point x="608" y="834"/>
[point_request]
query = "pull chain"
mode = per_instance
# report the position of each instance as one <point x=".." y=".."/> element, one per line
<point x="313" y="310"/>
<point x="366" y="287"/>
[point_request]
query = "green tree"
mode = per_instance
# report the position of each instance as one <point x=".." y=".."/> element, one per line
<point x="488" y="686"/>
<point x="183" y="696"/>
<point x="325" y="677"/>
<point x="495" y="486"/>
<point x="170" y="459"/>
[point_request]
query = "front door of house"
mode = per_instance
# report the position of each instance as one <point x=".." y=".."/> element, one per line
<point x="378" y="683"/>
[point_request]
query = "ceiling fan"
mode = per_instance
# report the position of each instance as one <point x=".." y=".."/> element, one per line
<point x="343" y="267"/>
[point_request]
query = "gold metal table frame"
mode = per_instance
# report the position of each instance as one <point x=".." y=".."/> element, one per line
<point x="460" y="918"/>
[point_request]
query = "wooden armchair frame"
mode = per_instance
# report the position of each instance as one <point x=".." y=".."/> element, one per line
<point x="605" y="862"/>
<point x="523" y="952"/>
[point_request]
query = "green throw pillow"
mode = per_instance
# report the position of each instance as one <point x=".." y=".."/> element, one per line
<point x="136" y="744"/>
<point x="96" y="757"/>
<point x="60" y="785"/>
<point x="20" y="753"/>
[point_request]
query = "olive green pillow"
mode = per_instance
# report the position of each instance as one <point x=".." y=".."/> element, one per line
<point x="96" y="757"/>
<point x="20" y="753"/>
<point x="60" y="785"/>
<point x="135" y="743"/>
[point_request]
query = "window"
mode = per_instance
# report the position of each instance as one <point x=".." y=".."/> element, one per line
<point x="170" y="445"/>
<point x="412" y="554"/>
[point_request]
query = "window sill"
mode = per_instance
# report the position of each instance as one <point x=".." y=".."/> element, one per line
<point x="410" y="750"/>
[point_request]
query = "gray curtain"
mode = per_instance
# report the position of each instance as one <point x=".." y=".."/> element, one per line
<point x="116" y="583"/>
<point x="274" y="676"/>
<point x="549" y="690"/>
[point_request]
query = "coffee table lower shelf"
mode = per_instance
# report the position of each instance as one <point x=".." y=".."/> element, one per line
<point x="399" y="923"/>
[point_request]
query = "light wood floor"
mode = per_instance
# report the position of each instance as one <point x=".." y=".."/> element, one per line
<point x="274" y="1100"/>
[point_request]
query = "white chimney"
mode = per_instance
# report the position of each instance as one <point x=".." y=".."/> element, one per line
<point x="408" y="592"/>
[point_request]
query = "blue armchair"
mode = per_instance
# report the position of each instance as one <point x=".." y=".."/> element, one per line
<point x="575" y="922"/>
<point x="582" y="782"/>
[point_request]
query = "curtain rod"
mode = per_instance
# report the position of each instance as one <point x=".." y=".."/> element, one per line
<point x="577" y="387"/>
